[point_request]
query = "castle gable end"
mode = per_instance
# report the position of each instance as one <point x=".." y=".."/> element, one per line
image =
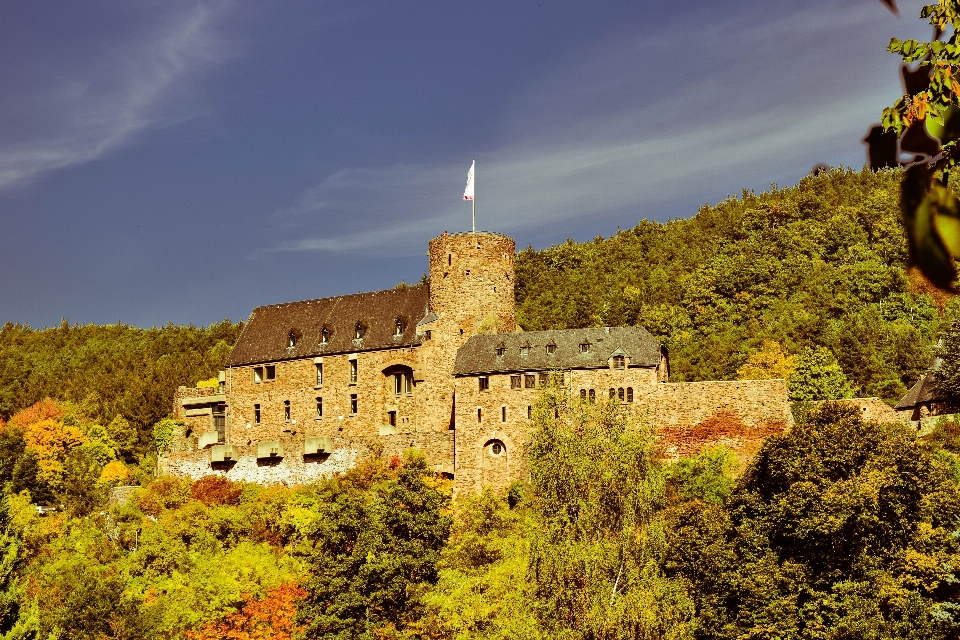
<point x="528" y="351"/>
<point x="267" y="334"/>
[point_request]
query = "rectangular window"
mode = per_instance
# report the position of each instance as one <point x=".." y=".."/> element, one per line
<point x="408" y="384"/>
<point x="397" y="383"/>
<point x="514" y="382"/>
<point x="392" y="418"/>
<point x="271" y="371"/>
<point x="503" y="414"/>
<point x="551" y="348"/>
<point x="593" y="396"/>
<point x="479" y="414"/>
<point x="258" y="374"/>
<point x="529" y="381"/>
<point x="319" y="366"/>
<point x="619" y="362"/>
<point x="319" y="407"/>
<point x="256" y="414"/>
<point x="544" y="379"/>
<point x="529" y="412"/>
<point x="353" y="372"/>
<point x="353" y="403"/>
<point x="525" y="350"/>
<point x="286" y="410"/>
<point x="484" y="383"/>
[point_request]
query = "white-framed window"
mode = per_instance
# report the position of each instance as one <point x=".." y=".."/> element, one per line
<point x="319" y="367"/>
<point x="353" y="372"/>
<point x="529" y="381"/>
<point x="619" y="362"/>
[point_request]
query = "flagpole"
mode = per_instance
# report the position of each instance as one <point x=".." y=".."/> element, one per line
<point x="474" y="201"/>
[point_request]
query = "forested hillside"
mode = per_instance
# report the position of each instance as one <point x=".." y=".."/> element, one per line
<point x="110" y="370"/>
<point x="821" y="264"/>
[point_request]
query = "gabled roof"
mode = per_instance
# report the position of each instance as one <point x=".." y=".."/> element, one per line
<point x="265" y="336"/>
<point x="479" y="354"/>
<point x="926" y="390"/>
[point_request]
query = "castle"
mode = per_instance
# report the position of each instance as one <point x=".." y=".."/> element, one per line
<point x="311" y="386"/>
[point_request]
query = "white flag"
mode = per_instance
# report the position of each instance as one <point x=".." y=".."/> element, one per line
<point x="468" y="192"/>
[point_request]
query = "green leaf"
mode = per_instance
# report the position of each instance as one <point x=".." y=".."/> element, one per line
<point x="921" y="203"/>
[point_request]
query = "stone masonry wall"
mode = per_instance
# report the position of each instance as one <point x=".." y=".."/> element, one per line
<point x="689" y="416"/>
<point x="503" y="420"/>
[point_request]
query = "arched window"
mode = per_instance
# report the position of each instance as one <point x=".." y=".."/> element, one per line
<point x="495" y="448"/>
<point x="613" y="393"/>
<point x="620" y="393"/>
<point x="583" y="394"/>
<point x="593" y="396"/>
<point x="629" y="394"/>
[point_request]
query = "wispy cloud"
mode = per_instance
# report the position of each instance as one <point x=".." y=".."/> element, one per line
<point x="101" y="105"/>
<point x="615" y="133"/>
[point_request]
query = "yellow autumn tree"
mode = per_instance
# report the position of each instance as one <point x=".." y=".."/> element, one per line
<point x="771" y="361"/>
<point x="114" y="472"/>
<point x="50" y="431"/>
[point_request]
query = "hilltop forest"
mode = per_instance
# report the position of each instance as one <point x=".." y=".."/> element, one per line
<point x="837" y="529"/>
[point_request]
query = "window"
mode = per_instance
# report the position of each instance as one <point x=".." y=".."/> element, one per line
<point x="613" y="393"/>
<point x="353" y="404"/>
<point x="529" y="381"/>
<point x="525" y="350"/>
<point x="319" y="367"/>
<point x="551" y="348"/>
<point x="286" y="410"/>
<point x="503" y="414"/>
<point x="479" y="414"/>
<point x="583" y="394"/>
<point x="358" y="331"/>
<point x="353" y="372"/>
<point x="620" y="394"/>
<point x="484" y="383"/>
<point x="529" y="412"/>
<point x="397" y="383"/>
<point x="392" y="418"/>
<point x="408" y="384"/>
<point x="449" y="259"/>
<point x="427" y="335"/>
<point x="292" y="338"/>
<point x="629" y="394"/>
<point x="319" y="407"/>
<point x="258" y="374"/>
<point x="271" y="371"/>
<point x="584" y="347"/>
<point x="496" y="448"/>
<point x="398" y="327"/>
<point x="501" y="350"/>
<point x="514" y="382"/>
<point x="593" y="396"/>
<point x="544" y="379"/>
<point x="256" y="414"/>
<point x="324" y="335"/>
<point x="619" y="362"/>
<point x="468" y="271"/>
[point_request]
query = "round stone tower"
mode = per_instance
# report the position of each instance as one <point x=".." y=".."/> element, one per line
<point x="471" y="283"/>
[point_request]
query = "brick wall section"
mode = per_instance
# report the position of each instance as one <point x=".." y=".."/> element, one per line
<point x="689" y="416"/>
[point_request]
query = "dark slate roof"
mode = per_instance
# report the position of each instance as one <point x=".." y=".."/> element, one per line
<point x="479" y="354"/>
<point x="926" y="390"/>
<point x="264" y="338"/>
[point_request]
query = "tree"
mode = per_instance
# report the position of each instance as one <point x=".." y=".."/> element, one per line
<point x="768" y="363"/>
<point x="817" y="376"/>
<point x="595" y="556"/>
<point x="269" y="618"/>
<point x="10" y="561"/>
<point x="377" y="546"/>
<point x="839" y="528"/>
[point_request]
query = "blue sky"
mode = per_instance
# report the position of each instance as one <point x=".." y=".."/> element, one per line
<point x="186" y="161"/>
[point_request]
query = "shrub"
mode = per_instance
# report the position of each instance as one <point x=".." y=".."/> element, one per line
<point x="215" y="490"/>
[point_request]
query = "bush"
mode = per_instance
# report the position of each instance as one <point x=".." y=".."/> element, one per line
<point x="216" y="490"/>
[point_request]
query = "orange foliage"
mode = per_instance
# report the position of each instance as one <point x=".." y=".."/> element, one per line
<point x="268" y="619"/>
<point x="114" y="471"/>
<point x="52" y="440"/>
<point x="214" y="490"/>
<point x="46" y="409"/>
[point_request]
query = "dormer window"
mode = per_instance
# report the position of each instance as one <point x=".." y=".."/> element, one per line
<point x="358" y="331"/>
<point x="525" y="350"/>
<point x="500" y="350"/>
<point x="551" y="348"/>
<point x="291" y="339"/>
<point x="324" y="335"/>
<point x="584" y="347"/>
<point x="398" y="327"/>
<point x="619" y="362"/>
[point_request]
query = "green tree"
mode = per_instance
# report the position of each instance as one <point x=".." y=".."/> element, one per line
<point x="818" y="376"/>
<point x="10" y="564"/>
<point x="595" y="557"/>
<point x="378" y="542"/>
